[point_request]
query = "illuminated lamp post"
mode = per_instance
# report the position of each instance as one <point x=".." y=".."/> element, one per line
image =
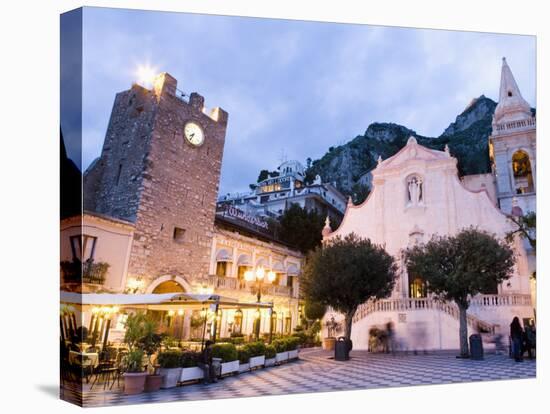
<point x="258" y="277"/>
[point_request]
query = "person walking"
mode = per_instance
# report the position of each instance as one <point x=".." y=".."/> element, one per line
<point x="530" y="340"/>
<point x="516" y="334"/>
<point x="390" y="338"/>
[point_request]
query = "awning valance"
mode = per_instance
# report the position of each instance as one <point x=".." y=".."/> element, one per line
<point x="244" y="260"/>
<point x="262" y="263"/>
<point x="156" y="301"/>
<point x="278" y="267"/>
<point x="292" y="270"/>
<point x="224" y="256"/>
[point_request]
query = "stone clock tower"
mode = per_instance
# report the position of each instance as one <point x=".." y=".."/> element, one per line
<point x="160" y="169"/>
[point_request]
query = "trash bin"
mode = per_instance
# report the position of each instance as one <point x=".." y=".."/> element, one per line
<point x="216" y="369"/>
<point x="476" y="347"/>
<point x="341" y="349"/>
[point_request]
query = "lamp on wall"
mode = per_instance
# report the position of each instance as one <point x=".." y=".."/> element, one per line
<point x="134" y="285"/>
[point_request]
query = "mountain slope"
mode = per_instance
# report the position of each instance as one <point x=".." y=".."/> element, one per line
<point x="467" y="138"/>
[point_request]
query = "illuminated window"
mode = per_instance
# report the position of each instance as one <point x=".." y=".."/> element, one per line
<point x="238" y="321"/>
<point x="523" y="176"/>
<point x="221" y="269"/>
<point x="417" y="287"/>
<point x="241" y="271"/>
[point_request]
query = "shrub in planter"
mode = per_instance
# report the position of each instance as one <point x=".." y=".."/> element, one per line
<point x="229" y="356"/>
<point x="190" y="369"/>
<point x="227" y="352"/>
<point x="292" y="344"/>
<point x="170" y="368"/>
<point x="280" y="349"/>
<point x="243" y="353"/>
<point x="256" y="348"/>
<point x="170" y="359"/>
<point x="190" y="359"/>
<point x="257" y="353"/>
<point x="270" y="353"/>
<point x="279" y="345"/>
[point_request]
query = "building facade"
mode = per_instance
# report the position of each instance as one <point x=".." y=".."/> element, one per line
<point x="417" y="194"/>
<point x="275" y="194"/>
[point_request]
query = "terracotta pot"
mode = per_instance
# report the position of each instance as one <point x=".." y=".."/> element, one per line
<point x="153" y="383"/>
<point x="134" y="382"/>
<point x="329" y="344"/>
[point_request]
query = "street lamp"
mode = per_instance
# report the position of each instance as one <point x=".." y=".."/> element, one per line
<point x="258" y="276"/>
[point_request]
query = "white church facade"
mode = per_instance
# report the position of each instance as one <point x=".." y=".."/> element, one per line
<point x="417" y="194"/>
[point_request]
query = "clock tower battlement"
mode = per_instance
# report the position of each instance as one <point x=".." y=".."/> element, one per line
<point x="160" y="168"/>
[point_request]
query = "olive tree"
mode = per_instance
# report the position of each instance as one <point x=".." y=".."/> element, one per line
<point x="458" y="267"/>
<point x="347" y="272"/>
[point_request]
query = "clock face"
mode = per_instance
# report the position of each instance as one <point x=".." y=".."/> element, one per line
<point x="193" y="133"/>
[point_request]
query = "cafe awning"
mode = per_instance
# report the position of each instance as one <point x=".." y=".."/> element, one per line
<point x="157" y="301"/>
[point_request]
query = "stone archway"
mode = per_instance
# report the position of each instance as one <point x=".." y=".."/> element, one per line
<point x="169" y="284"/>
<point x="176" y="325"/>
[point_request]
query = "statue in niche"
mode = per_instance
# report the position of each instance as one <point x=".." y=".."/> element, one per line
<point x="415" y="191"/>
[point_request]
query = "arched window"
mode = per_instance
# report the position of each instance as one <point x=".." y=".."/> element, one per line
<point x="523" y="176"/>
<point x="238" y="321"/>
<point x="417" y="286"/>
<point x="415" y="190"/>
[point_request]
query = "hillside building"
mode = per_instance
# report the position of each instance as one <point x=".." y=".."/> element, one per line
<point x="274" y="195"/>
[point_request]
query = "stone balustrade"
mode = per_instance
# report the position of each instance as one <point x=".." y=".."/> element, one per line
<point x="450" y="308"/>
<point x="515" y="125"/>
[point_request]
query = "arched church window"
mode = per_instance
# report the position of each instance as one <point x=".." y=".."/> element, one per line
<point x="415" y="191"/>
<point x="523" y="176"/>
<point x="509" y="93"/>
<point x="417" y="286"/>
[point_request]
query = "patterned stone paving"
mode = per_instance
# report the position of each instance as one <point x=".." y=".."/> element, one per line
<point x="316" y="372"/>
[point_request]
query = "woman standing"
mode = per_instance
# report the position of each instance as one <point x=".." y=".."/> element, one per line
<point x="516" y="333"/>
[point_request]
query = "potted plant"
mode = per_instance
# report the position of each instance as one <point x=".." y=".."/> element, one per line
<point x="281" y="355"/>
<point x="134" y="374"/>
<point x="150" y="343"/>
<point x="190" y="370"/>
<point x="257" y="354"/>
<point x="243" y="354"/>
<point x="292" y="347"/>
<point x="133" y="364"/>
<point x="229" y="357"/>
<point x="270" y="353"/>
<point x="170" y="367"/>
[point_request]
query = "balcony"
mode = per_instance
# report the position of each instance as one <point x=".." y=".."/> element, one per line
<point x="231" y="283"/>
<point x="87" y="272"/>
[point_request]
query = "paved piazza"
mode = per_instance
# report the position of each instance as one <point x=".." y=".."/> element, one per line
<point x="316" y="372"/>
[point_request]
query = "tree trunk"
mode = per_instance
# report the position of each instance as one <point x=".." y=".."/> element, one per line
<point x="463" y="331"/>
<point x="348" y="323"/>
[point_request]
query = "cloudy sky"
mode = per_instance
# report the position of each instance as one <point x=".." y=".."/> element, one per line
<point x="295" y="88"/>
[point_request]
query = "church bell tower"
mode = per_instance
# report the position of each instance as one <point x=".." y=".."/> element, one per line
<point x="512" y="147"/>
